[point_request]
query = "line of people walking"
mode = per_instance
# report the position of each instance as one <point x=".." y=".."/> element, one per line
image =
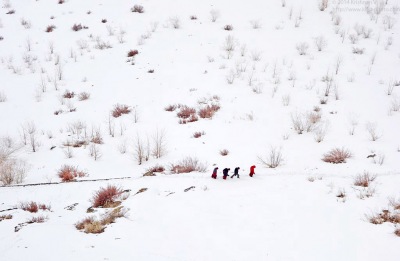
<point x="225" y="172"/>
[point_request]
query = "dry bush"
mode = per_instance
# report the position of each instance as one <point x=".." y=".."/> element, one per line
<point x="193" y="17"/>
<point x="68" y="94"/>
<point x="81" y="224"/>
<point x="198" y="134"/>
<point x="394" y="203"/>
<point x="132" y="53"/>
<point x="186" y="112"/>
<point x="320" y="43"/>
<point x="29" y="206"/>
<point x="155" y="169"/>
<point x="214" y="15"/>
<point x="94" y="227"/>
<point x="208" y="111"/>
<point x="171" y="107"/>
<point x="322" y="4"/>
<point x="224" y="152"/>
<point x="106" y="197"/>
<point x="110" y="217"/>
<point x="272" y="159"/>
<point x="372" y="130"/>
<point x="188" y="164"/>
<point x="364" y="180"/>
<point x="69" y="173"/>
<point x="50" y="28"/>
<point x="38" y="219"/>
<point x="77" y="27"/>
<point x="5" y="217"/>
<point x="83" y="96"/>
<point x="175" y="22"/>
<point x="385" y="216"/>
<point x="120" y="109"/>
<point x="44" y="207"/>
<point x="104" y="21"/>
<point x="397" y="232"/>
<point x="137" y="9"/>
<point x="302" y="48"/>
<point x="12" y="170"/>
<point x="192" y="118"/>
<point x="357" y="50"/>
<point x="3" y="97"/>
<point x="228" y="27"/>
<point x="12" y="11"/>
<point x="337" y="155"/>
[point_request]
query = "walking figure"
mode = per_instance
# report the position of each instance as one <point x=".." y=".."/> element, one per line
<point x="214" y="174"/>
<point x="225" y="172"/>
<point x="252" y="170"/>
<point x="236" y="172"/>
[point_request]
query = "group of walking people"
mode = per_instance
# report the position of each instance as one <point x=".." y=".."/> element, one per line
<point x="225" y="172"/>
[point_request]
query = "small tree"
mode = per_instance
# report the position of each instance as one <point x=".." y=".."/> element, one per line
<point x="320" y="43"/>
<point x="159" y="144"/>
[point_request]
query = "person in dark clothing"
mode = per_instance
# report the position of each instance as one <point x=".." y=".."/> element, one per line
<point x="214" y="174"/>
<point x="236" y="172"/>
<point x="252" y="170"/>
<point x="225" y="172"/>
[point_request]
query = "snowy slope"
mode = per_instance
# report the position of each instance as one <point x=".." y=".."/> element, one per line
<point x="261" y="85"/>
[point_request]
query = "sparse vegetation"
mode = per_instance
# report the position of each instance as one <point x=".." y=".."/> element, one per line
<point x="187" y="165"/>
<point x="120" y="109"/>
<point x="69" y="173"/>
<point x="106" y="197"/>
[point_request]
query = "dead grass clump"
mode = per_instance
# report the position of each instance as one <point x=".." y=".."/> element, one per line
<point x="132" y="53"/>
<point x="397" y="232"/>
<point x="198" y="134"/>
<point x="77" y="27"/>
<point x="192" y="118"/>
<point x="5" y="217"/>
<point x="29" y="206"/>
<point x="152" y="170"/>
<point x="68" y="95"/>
<point x="228" y="27"/>
<point x="186" y="112"/>
<point x="69" y="173"/>
<point x="94" y="227"/>
<point x="187" y="165"/>
<point x="208" y="111"/>
<point x="44" y="207"/>
<point x="120" y="109"/>
<point x="81" y="224"/>
<point x="364" y="180"/>
<point x="50" y="28"/>
<point x="83" y="96"/>
<point x="224" y="152"/>
<point x="171" y="107"/>
<point x="38" y="219"/>
<point x="337" y="156"/>
<point x="106" y="197"/>
<point x="111" y="216"/>
<point x="137" y="9"/>
<point x="394" y="203"/>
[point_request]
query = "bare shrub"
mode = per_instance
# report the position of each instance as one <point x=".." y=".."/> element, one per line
<point x="229" y="46"/>
<point x="69" y="173"/>
<point x="198" y="134"/>
<point x="188" y="164"/>
<point x="215" y="14"/>
<point x="38" y="219"/>
<point x="3" y="97"/>
<point x="224" y="152"/>
<point x="106" y="196"/>
<point x="175" y="22"/>
<point x="110" y="216"/>
<point x="337" y="155"/>
<point x="120" y="109"/>
<point x="273" y="158"/>
<point x="83" y="96"/>
<point x="94" y="151"/>
<point x="255" y="24"/>
<point x="320" y="43"/>
<point x="155" y="169"/>
<point x="302" y="48"/>
<point x="320" y="132"/>
<point x="159" y="147"/>
<point x="322" y="4"/>
<point x="358" y="50"/>
<point x="364" y="180"/>
<point x="137" y="9"/>
<point x="371" y="128"/>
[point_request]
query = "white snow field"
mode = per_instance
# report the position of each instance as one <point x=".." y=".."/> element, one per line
<point x="285" y="82"/>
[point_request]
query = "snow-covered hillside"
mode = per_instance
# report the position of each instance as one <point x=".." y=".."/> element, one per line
<point x="276" y="84"/>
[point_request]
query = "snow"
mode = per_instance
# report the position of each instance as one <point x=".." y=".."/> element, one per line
<point x="276" y="215"/>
